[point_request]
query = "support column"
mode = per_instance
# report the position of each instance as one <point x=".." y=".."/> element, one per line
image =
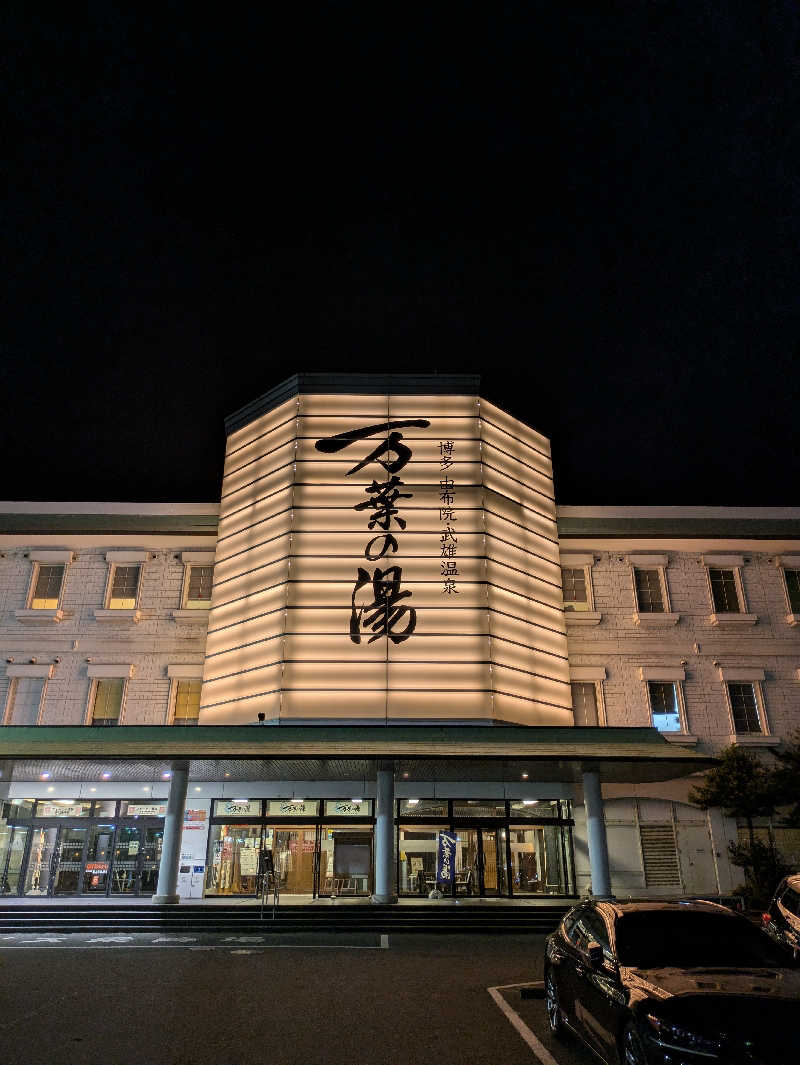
<point x="596" y="835"/>
<point x="167" y="891"/>
<point x="384" y="835"/>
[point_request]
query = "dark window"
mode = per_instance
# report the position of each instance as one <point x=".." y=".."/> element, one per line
<point x="688" y="938"/>
<point x="590" y="928"/>
<point x="723" y="591"/>
<point x="664" y="706"/>
<point x="574" y="586"/>
<point x="47" y="589"/>
<point x="199" y="587"/>
<point x="648" y="591"/>
<point x="744" y="707"/>
<point x="124" y="586"/>
<point x="793" y="588"/>
<point x="584" y="702"/>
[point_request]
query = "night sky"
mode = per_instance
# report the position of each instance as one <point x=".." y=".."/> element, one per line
<point x="596" y="206"/>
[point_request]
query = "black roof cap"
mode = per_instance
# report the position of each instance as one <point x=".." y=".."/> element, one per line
<point x="365" y="384"/>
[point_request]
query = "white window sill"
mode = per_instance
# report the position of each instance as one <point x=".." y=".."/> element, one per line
<point x="686" y="739"/>
<point x="39" y="616"/>
<point x="793" y="619"/>
<point x="655" y="620"/>
<point x="199" y="616"/>
<point x="583" y="617"/>
<point x="754" y="739"/>
<point x="733" y="621"/>
<point x="106" y="614"/>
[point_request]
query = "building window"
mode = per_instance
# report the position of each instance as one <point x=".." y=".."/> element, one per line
<point x="724" y="591"/>
<point x="187" y="702"/>
<point x="25" y="701"/>
<point x="198" y="587"/>
<point x="107" y="701"/>
<point x="649" y="591"/>
<point x="124" y="587"/>
<point x="792" y="578"/>
<point x="575" y="584"/>
<point x="665" y="709"/>
<point x="584" y="702"/>
<point x="744" y="707"/>
<point x="46" y="588"/>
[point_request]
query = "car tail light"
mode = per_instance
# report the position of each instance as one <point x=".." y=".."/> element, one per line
<point x="766" y="918"/>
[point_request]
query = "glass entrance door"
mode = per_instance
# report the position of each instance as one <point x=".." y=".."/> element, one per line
<point x="67" y="861"/>
<point x="98" y="860"/>
<point x="345" y="863"/>
<point x="481" y="862"/>
<point x="539" y="860"/>
<point x="294" y="856"/>
<point x="12" y="851"/>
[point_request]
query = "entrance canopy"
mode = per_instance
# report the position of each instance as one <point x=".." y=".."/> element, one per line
<point x="335" y="752"/>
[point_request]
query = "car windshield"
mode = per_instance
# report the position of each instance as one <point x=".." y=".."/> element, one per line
<point x="654" y="939"/>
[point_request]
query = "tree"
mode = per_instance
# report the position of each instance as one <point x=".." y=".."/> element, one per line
<point x="745" y="788"/>
<point x="787" y="780"/>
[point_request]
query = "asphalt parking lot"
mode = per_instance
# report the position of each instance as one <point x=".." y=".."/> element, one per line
<point x="355" y="1000"/>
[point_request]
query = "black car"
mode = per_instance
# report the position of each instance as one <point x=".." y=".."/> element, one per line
<point x="672" y="984"/>
<point x="782" y="919"/>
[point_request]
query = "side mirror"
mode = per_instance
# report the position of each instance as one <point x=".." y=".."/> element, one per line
<point x="595" y="953"/>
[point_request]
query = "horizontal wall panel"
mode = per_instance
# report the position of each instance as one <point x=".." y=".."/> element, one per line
<point x="425" y="458"/>
<point x="505" y="653"/>
<point x="323" y="676"/>
<point x="267" y="424"/>
<point x="241" y="686"/>
<point x="339" y="594"/>
<point x="531" y="584"/>
<point x="331" y="647"/>
<point x="537" y="688"/>
<point x="440" y="704"/>
<point x="251" y="656"/>
<point x="540" y="524"/>
<point x="440" y="428"/>
<point x="262" y="473"/>
<point x="344" y="406"/>
<point x="525" y="539"/>
<point x="243" y="712"/>
<point x="518" y="455"/>
<point x="264" y="554"/>
<point x="235" y="549"/>
<point x="434" y="406"/>
<point x="429" y="619"/>
<point x="238" y="527"/>
<point x="247" y="586"/>
<point x="549" y="643"/>
<point x="333" y="704"/>
<point x="438" y="676"/>
<point x="352" y="544"/>
<point x="514" y="427"/>
<point x="496" y="481"/>
<point x="414" y="568"/>
<point x="508" y="708"/>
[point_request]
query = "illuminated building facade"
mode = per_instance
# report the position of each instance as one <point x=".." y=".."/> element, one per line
<point x="386" y="636"/>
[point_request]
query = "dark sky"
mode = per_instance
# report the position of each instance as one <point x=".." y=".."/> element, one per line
<point x="594" y="205"/>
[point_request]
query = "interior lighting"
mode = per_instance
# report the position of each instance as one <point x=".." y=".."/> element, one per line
<point x="524" y="776"/>
<point x="357" y="801"/>
<point x="92" y="789"/>
<point x="198" y="789"/>
<point x="298" y="801"/>
<point x="529" y="802"/>
<point x="413" y="802"/>
<point x="45" y="776"/>
<point x="405" y="776"/>
<point x="106" y="775"/>
<point x="166" y="776"/>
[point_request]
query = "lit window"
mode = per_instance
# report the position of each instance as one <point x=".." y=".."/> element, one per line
<point x="792" y="578"/>
<point x="187" y="702"/>
<point x="47" y="587"/>
<point x="198" y="587"/>
<point x="724" y="591"/>
<point x="584" y="702"/>
<point x="664" y="706"/>
<point x="649" y="594"/>
<point x="575" y="589"/>
<point x="744" y="707"/>
<point x="107" y="704"/>
<point x="124" y="587"/>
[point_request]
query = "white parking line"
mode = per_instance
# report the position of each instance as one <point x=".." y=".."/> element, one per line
<point x="540" y="1051"/>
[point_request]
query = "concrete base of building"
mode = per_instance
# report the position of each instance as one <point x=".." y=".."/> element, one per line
<point x="165" y="900"/>
<point x="383" y="900"/>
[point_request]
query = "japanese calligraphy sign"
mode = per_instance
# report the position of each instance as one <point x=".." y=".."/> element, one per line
<point x="446" y="858"/>
<point x="386" y="557"/>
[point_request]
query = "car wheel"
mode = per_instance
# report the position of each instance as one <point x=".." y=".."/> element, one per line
<point x="633" y="1051"/>
<point x="555" y="1018"/>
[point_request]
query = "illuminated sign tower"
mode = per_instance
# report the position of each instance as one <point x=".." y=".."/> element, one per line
<point x="387" y="551"/>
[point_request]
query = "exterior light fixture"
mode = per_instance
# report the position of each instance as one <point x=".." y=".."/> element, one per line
<point x="524" y="776"/>
<point x="357" y="801"/>
<point x="405" y="776"/>
<point x="92" y="789"/>
<point x="106" y="775"/>
<point x="413" y="802"/>
<point x="198" y="789"/>
<point x="45" y="776"/>
<point x="51" y="788"/>
<point x="529" y="802"/>
<point x="166" y="776"/>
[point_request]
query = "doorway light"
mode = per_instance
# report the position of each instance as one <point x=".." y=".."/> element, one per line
<point x="529" y="802"/>
<point x="413" y="802"/>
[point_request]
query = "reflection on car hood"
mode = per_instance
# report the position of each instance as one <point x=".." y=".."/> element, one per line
<point x="669" y="982"/>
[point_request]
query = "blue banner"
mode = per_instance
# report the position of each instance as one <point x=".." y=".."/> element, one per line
<point x="446" y="858"/>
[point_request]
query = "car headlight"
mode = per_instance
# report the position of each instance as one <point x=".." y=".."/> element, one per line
<point x="675" y="1037"/>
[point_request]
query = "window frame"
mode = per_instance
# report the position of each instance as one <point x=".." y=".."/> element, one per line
<point x="666" y="606"/>
<point x="35" y="571"/>
<point x="599" y="701"/>
<point x="737" y="578"/>
<point x="680" y="700"/>
<point x="11" y="696"/>
<point x="787" y="594"/>
<point x="93" y="689"/>
<point x="587" y="576"/>
<point x="173" y="698"/>
<point x="187" y="576"/>
<point x="112" y="569"/>
<point x="758" y="695"/>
